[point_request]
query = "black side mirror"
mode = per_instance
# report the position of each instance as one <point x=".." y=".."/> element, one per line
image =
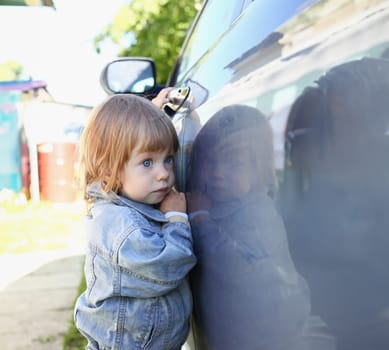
<point x="135" y="75"/>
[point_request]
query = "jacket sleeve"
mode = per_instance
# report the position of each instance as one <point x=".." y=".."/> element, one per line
<point x="153" y="263"/>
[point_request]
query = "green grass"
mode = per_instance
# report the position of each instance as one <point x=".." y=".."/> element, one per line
<point x="30" y="227"/>
<point x="73" y="340"/>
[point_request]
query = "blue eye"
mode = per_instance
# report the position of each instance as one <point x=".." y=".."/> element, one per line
<point x="147" y="163"/>
<point x="169" y="160"/>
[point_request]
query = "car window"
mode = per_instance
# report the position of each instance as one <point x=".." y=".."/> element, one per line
<point x="208" y="30"/>
<point x="253" y="30"/>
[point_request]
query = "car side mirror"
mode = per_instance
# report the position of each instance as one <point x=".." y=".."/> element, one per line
<point x="134" y="75"/>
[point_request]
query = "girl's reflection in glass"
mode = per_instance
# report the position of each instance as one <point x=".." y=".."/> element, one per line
<point x="247" y="292"/>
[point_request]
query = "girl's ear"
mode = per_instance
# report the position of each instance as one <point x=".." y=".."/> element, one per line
<point x="112" y="183"/>
<point x="119" y="177"/>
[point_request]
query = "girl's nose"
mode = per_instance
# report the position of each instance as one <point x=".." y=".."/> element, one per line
<point x="163" y="173"/>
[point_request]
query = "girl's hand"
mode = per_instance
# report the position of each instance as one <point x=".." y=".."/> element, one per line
<point x="174" y="201"/>
<point x="162" y="98"/>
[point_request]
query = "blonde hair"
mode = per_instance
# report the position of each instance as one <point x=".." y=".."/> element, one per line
<point x="114" y="129"/>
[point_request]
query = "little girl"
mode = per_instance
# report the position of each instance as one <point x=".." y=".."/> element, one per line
<point x="139" y="249"/>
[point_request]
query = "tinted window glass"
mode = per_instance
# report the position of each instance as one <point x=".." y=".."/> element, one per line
<point x="215" y="19"/>
<point x="212" y="63"/>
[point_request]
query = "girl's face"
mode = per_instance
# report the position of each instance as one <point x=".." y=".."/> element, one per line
<point x="147" y="177"/>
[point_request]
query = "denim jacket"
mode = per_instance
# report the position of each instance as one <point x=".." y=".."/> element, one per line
<point x="136" y="264"/>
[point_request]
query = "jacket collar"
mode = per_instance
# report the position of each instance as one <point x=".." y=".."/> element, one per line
<point x="95" y="192"/>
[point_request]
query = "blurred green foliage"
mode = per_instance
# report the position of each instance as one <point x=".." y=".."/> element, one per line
<point x="10" y="70"/>
<point x="26" y="3"/>
<point x="151" y="28"/>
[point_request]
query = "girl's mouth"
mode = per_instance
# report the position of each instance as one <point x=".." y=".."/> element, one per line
<point x="162" y="190"/>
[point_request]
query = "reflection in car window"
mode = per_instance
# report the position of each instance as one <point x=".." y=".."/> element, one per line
<point x="208" y="29"/>
<point x="247" y="291"/>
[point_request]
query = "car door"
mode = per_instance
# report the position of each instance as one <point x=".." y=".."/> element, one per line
<point x="283" y="158"/>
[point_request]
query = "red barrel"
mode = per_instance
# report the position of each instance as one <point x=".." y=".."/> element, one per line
<point x="57" y="169"/>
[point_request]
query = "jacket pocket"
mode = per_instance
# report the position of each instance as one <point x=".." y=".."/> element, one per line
<point x="152" y="326"/>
